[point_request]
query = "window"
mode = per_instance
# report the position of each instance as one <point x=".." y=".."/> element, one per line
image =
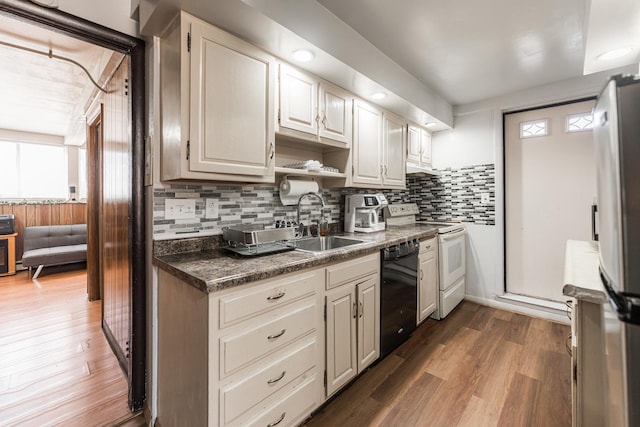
<point x="534" y="128"/>
<point x="579" y="122"/>
<point x="82" y="173"/>
<point x="33" y="171"/>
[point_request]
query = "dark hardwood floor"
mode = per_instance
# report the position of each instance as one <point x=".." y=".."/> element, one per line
<point x="56" y="367"/>
<point x="478" y="367"/>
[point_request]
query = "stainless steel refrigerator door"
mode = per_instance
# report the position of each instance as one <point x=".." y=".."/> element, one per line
<point x="608" y="170"/>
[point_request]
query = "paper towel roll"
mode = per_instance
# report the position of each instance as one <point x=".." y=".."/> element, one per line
<point x="292" y="189"/>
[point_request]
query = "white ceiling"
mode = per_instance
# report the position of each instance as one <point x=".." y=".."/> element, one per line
<point x="41" y="94"/>
<point x="470" y="50"/>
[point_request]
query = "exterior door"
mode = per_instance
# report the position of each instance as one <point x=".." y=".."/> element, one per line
<point x="550" y="185"/>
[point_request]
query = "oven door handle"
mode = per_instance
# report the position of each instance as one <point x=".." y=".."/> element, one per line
<point x="452" y="236"/>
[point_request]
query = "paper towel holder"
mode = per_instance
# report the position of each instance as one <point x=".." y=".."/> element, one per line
<point x="292" y="199"/>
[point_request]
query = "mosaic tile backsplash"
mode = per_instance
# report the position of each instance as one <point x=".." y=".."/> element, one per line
<point x="454" y="195"/>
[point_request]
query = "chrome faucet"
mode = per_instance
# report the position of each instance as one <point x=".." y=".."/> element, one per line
<point x="300" y="225"/>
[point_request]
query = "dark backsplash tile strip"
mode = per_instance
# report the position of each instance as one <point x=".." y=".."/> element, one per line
<point x="453" y="195"/>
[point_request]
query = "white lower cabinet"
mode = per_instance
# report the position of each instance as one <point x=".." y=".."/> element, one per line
<point x="427" y="279"/>
<point x="353" y="322"/>
<point x="255" y="354"/>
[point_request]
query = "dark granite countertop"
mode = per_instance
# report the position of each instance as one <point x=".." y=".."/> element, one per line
<point x="216" y="269"/>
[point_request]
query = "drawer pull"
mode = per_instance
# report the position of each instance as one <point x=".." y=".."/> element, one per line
<point x="275" y="380"/>
<point x="275" y="297"/>
<point x="278" y="335"/>
<point x="275" y="423"/>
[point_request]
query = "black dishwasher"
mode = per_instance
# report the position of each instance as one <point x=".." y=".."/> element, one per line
<point x="398" y="294"/>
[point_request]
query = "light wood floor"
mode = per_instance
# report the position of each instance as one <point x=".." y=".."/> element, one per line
<point x="56" y="367"/>
<point x="478" y="367"/>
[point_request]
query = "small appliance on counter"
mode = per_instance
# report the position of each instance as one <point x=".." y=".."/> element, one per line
<point x="363" y="213"/>
<point x="7" y="224"/>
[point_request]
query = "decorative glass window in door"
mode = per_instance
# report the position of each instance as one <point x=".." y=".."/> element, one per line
<point x="579" y="122"/>
<point x="534" y="128"/>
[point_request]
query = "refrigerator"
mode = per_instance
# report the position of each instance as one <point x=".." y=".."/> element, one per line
<point x="617" y="144"/>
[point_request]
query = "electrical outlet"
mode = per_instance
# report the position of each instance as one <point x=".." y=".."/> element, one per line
<point x="179" y="208"/>
<point x="484" y="198"/>
<point x="211" y="208"/>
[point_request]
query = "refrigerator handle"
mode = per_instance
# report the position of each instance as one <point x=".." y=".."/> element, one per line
<point x="594" y="235"/>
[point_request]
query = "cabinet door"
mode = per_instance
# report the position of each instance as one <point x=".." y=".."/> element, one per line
<point x="425" y="153"/>
<point x="298" y="101"/>
<point x="368" y="321"/>
<point x="413" y="144"/>
<point x="232" y="91"/>
<point x="428" y="284"/>
<point x="394" y="151"/>
<point x="367" y="144"/>
<point x="336" y="120"/>
<point x="342" y="363"/>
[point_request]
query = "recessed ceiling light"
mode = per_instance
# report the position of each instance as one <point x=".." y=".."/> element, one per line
<point x="303" y="55"/>
<point x="430" y="124"/>
<point x="614" y="54"/>
<point x="378" y="95"/>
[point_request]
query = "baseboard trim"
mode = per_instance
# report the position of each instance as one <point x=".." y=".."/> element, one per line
<point x="529" y="309"/>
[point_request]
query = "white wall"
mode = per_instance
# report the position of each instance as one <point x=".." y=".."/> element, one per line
<point x="476" y="139"/>
<point x="113" y="14"/>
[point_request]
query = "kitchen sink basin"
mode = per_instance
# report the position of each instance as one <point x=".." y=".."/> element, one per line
<point x="325" y="243"/>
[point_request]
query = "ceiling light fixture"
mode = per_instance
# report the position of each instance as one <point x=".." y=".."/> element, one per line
<point x="303" y="55"/>
<point x="614" y="54"/>
<point x="430" y="124"/>
<point x="378" y="95"/>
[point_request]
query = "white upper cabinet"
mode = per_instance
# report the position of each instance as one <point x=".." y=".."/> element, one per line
<point x="218" y="123"/>
<point x="320" y="110"/>
<point x="367" y="145"/>
<point x="425" y="154"/>
<point x="335" y="113"/>
<point x="394" y="136"/>
<point x="298" y="100"/>
<point x="379" y="144"/>
<point x="418" y="146"/>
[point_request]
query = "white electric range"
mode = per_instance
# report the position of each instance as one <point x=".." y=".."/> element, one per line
<point x="451" y="253"/>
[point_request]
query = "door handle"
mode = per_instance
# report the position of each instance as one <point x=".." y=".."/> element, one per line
<point x="594" y="235"/>
<point x="421" y="274"/>
<point x="275" y="423"/>
<point x="361" y="309"/>
<point x="355" y="310"/>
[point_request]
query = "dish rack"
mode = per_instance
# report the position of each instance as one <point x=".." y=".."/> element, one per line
<point x="254" y="239"/>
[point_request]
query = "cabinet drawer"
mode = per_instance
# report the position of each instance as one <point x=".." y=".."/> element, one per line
<point x="238" y="350"/>
<point x="349" y="270"/>
<point x="291" y="409"/>
<point x="241" y="396"/>
<point x="242" y="305"/>
<point x="428" y="245"/>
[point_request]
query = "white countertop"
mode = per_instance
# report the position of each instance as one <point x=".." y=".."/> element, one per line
<point x="581" y="275"/>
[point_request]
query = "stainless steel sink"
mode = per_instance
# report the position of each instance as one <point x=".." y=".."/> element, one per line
<point x="325" y="243"/>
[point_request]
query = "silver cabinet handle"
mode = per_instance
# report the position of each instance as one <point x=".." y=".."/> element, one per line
<point x="275" y="380"/>
<point x="355" y="310"/>
<point x="324" y="121"/>
<point x="276" y="296"/>
<point x="421" y="274"/>
<point x="278" y="335"/>
<point x="275" y="423"/>
<point x="428" y="247"/>
<point x="273" y="151"/>
<point x="361" y="309"/>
